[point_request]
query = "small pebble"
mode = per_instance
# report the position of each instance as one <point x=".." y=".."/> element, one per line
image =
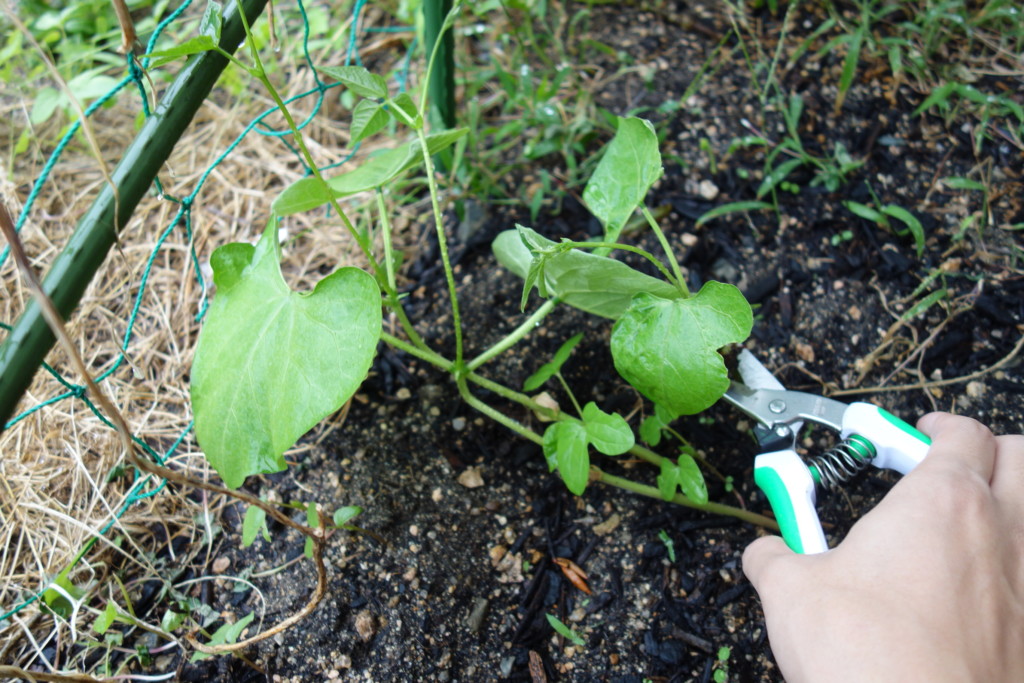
<point x="459" y="423"/>
<point x="470" y="478"/>
<point x="975" y="389"/>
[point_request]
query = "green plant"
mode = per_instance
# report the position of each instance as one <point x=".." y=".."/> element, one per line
<point x="564" y="630"/>
<point x="670" y="545"/>
<point x="309" y="352"/>
<point x="721" y="673"/>
<point x="881" y="216"/>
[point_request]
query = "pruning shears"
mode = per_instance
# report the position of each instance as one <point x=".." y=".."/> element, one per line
<point x="870" y="435"/>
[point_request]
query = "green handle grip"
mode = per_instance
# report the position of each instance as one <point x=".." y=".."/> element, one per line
<point x="788" y="484"/>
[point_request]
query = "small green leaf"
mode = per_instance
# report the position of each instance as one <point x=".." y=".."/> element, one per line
<point x="358" y="80"/>
<point x="189" y="47"/>
<point x="307" y="549"/>
<point x="368" y="117"/>
<point x="550" y="446"/>
<point x="343" y="516"/>
<point x="938" y="96"/>
<point x="912" y="223"/>
<point x="405" y="102"/>
<point x="254" y="522"/>
<point x="564" y="630"/>
<point x="272" y="362"/>
<point x="312" y="517"/>
<point x="228" y="633"/>
<point x="630" y="166"/>
<point x="670" y="545"/>
<point x="924" y="304"/>
<point x="691" y="479"/>
<point x="609" y="433"/>
<point x="172" y="620"/>
<point x="866" y="212"/>
<point x="565" y="447"/>
<point x="532" y="278"/>
<point x="849" y="67"/>
<point x="105" y="619"/>
<point x="548" y="370"/>
<point x="213" y="19"/>
<point x="958" y="183"/>
<point x="592" y="283"/>
<point x="732" y="207"/>
<point x="382" y="168"/>
<point x="650" y="430"/>
<point x="668" y="479"/>
<point x="60" y="601"/>
<point x="668" y="349"/>
<point x="777" y="175"/>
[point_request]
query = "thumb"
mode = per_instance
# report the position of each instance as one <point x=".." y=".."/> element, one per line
<point x="760" y="555"/>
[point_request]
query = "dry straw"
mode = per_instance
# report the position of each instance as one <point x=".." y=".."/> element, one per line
<point x="63" y="478"/>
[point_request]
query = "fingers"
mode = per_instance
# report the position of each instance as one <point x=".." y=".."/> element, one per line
<point x="1008" y="478"/>
<point x="959" y="443"/>
<point x="760" y="554"/>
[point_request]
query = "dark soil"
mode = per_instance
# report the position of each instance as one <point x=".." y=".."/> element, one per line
<point x="462" y="589"/>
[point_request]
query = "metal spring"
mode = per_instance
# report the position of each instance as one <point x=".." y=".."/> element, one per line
<point x="842" y="462"/>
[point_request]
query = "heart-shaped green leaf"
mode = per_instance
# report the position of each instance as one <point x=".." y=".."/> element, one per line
<point x="630" y="165"/>
<point x="668" y="348"/>
<point x="272" y="362"/>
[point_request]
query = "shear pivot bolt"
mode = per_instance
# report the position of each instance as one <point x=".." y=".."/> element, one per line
<point x="777" y="406"/>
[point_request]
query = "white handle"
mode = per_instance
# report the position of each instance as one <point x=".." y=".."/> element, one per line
<point x="788" y="484"/>
<point x="898" y="446"/>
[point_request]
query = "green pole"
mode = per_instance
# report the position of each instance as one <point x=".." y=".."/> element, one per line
<point x="442" y="80"/>
<point x="27" y="344"/>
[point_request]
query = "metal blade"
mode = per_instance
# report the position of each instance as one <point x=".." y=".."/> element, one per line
<point x="754" y="374"/>
<point x="777" y="408"/>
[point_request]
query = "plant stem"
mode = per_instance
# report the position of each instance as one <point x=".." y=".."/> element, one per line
<point x="680" y="499"/>
<point x="572" y="397"/>
<point x="496" y="415"/>
<point x="385" y="224"/>
<point x="527" y="433"/>
<point x="681" y="283"/>
<point x="442" y="243"/>
<point x="258" y="72"/>
<point x="515" y="336"/>
<point x="421" y="352"/>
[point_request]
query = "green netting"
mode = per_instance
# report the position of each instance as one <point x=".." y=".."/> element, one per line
<point x="144" y="485"/>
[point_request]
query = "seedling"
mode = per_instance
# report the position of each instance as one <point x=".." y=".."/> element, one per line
<point x="721" y="674"/>
<point x="670" y="545"/>
<point x="564" y="630"/>
<point x="881" y="216"/>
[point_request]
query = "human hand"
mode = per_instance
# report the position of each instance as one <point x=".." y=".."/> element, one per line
<point x="928" y="586"/>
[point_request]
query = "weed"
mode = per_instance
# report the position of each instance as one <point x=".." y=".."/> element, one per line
<point x="565" y="631"/>
<point x="881" y="215"/>
<point x="721" y="673"/>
